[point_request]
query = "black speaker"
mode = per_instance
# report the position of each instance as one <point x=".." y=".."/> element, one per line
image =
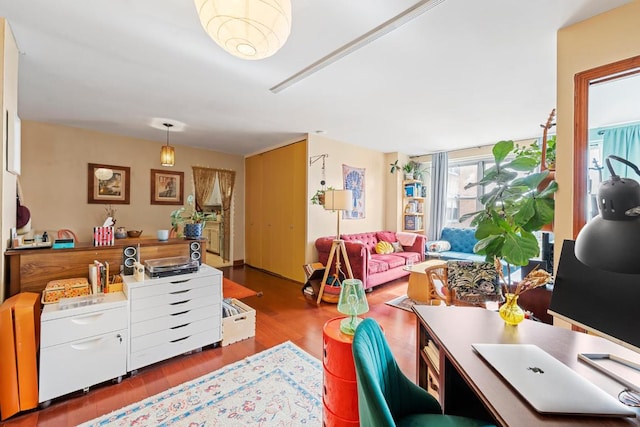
<point x="129" y="257"/>
<point x="195" y="252"/>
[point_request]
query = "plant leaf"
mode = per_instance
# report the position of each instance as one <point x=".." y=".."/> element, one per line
<point x="519" y="249"/>
<point x="501" y="150"/>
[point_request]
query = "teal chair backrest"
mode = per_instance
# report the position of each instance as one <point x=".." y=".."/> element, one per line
<point x="385" y="394"/>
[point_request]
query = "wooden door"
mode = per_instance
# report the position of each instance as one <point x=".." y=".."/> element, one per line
<point x="253" y="211"/>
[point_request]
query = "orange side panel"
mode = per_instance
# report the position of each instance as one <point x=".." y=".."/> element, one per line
<point x="9" y="398"/>
<point x="27" y="332"/>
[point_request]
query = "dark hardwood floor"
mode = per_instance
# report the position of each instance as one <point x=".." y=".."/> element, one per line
<point x="282" y="313"/>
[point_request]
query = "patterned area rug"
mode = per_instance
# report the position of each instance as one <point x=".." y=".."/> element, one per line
<point x="403" y="302"/>
<point x="281" y="386"/>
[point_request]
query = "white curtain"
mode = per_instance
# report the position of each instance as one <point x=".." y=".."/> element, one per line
<point x="439" y="174"/>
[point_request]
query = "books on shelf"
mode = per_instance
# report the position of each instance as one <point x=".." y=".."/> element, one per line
<point x="413" y="222"/>
<point x="433" y="354"/>
<point x="413" y="189"/>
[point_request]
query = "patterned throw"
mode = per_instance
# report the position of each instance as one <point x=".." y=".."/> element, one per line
<point x="281" y="386"/>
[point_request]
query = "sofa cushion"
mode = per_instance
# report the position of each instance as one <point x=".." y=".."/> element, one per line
<point x="383" y="247"/>
<point x="392" y="260"/>
<point x="438" y="246"/>
<point x="409" y="256"/>
<point x="368" y="239"/>
<point x="397" y="247"/>
<point x="377" y="266"/>
<point x="387" y="236"/>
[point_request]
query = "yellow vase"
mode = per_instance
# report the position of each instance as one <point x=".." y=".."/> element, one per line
<point x="510" y="311"/>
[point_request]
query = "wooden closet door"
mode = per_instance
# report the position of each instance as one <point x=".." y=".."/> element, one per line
<point x="253" y="211"/>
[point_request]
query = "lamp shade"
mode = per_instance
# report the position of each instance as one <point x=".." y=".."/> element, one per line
<point x="338" y="200"/>
<point x="167" y="156"/>
<point x="610" y="240"/>
<point x="352" y="302"/>
<point x="248" y="29"/>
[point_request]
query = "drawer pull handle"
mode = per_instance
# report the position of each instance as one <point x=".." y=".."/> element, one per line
<point x="180" y="302"/>
<point x="86" y="319"/>
<point x="181" y="339"/>
<point x="180" y="281"/>
<point x="180" y="313"/>
<point x="180" y="292"/>
<point x="180" y="326"/>
<point x="89" y="344"/>
<point x="237" y="319"/>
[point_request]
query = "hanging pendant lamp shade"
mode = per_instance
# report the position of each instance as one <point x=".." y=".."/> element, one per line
<point x="248" y="29"/>
<point x="167" y="154"/>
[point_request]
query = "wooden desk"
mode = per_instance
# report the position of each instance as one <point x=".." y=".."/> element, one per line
<point x="29" y="270"/>
<point x="470" y="387"/>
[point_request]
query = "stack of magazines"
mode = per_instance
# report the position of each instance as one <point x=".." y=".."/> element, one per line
<point x="229" y="308"/>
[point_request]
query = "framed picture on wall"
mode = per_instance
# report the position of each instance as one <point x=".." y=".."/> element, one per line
<point x="167" y="187"/>
<point x="108" y="184"/>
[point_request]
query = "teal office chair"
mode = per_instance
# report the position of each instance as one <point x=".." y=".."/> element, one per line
<point x="386" y="397"/>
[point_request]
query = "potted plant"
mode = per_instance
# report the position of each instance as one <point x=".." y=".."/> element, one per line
<point x="318" y="198"/>
<point x="193" y="219"/>
<point x="411" y="169"/>
<point x="514" y="207"/>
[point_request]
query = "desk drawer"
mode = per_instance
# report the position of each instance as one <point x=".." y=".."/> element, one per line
<point x="180" y="318"/>
<point x="82" y="326"/>
<point x="171" y="349"/>
<point x="174" y="334"/>
<point x="174" y="308"/>
<point x="170" y="298"/>
<point x="172" y="284"/>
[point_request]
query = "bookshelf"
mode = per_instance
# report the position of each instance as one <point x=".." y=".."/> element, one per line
<point x="413" y="206"/>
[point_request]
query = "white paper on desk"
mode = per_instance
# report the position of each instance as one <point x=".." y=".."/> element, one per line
<point x="108" y="222"/>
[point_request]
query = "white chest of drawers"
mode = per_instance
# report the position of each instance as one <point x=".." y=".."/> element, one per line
<point x="173" y="315"/>
<point x="82" y="346"/>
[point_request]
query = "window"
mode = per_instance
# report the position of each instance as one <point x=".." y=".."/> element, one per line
<point x="461" y="201"/>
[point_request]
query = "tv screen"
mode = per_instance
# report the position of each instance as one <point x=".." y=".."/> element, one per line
<point x="600" y="301"/>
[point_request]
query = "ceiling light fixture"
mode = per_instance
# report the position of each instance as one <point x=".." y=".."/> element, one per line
<point x="248" y="29"/>
<point x="368" y="37"/>
<point x="167" y="153"/>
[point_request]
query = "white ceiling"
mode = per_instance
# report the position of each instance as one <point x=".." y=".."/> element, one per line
<point x="465" y="73"/>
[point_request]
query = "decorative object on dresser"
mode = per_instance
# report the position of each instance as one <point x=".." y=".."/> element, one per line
<point x="108" y="184"/>
<point x="194" y="220"/>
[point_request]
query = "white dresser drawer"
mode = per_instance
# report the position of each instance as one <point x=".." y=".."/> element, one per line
<point x="180" y="318"/>
<point x="84" y="325"/>
<point x="165" y="285"/>
<point x="73" y="366"/>
<point x="175" y="334"/>
<point x="171" y="297"/>
<point x="177" y="307"/>
<point x="171" y="349"/>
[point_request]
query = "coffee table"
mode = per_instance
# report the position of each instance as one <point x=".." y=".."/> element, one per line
<point x="420" y="288"/>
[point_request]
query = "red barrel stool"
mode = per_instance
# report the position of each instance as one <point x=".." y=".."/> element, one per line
<point x="339" y="391"/>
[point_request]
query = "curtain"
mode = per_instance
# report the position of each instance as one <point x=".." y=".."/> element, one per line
<point x="203" y="181"/>
<point x="623" y="142"/>
<point x="226" y="179"/>
<point x="438" y="209"/>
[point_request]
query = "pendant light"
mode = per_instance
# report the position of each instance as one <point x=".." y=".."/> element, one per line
<point x="167" y="154"/>
<point x="248" y="29"/>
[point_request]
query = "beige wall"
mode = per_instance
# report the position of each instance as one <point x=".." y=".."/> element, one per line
<point x="9" y="100"/>
<point x="323" y="223"/>
<point x="606" y="38"/>
<point x="54" y="180"/>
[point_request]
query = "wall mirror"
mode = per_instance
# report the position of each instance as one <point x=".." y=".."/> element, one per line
<point x="600" y="83"/>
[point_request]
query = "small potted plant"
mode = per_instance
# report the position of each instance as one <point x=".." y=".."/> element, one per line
<point x="318" y="198"/>
<point x="193" y="219"/>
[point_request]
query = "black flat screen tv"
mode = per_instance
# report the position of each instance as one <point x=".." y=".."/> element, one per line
<point x="600" y="301"/>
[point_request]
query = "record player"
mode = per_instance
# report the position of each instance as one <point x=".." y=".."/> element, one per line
<point x="171" y="266"/>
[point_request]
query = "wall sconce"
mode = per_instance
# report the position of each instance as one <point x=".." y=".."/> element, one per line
<point x="167" y="153"/>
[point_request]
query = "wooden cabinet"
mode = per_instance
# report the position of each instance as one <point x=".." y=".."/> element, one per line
<point x="82" y="346"/>
<point x="173" y="315"/>
<point x="276" y="209"/>
<point x="212" y="233"/>
<point x="413" y="205"/>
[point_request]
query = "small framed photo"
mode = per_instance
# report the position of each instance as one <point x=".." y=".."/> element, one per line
<point x="108" y="184"/>
<point x="167" y="188"/>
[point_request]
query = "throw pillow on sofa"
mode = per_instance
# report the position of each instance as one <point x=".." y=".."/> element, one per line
<point x="383" y="247"/>
<point x="386" y="236"/>
<point x="438" y="246"/>
<point x="397" y="247"/>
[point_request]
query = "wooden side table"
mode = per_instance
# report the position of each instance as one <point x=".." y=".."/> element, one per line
<point x="340" y="391"/>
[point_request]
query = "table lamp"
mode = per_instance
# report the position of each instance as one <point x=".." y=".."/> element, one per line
<point x="610" y="240"/>
<point x="352" y="302"/>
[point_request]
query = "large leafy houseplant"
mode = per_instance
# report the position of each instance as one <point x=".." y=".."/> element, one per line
<point x="193" y="219"/>
<point x="514" y="207"/>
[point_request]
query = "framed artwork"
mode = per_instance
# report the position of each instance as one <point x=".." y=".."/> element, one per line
<point x="167" y="187"/>
<point x="108" y="184"/>
<point x="354" y="181"/>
